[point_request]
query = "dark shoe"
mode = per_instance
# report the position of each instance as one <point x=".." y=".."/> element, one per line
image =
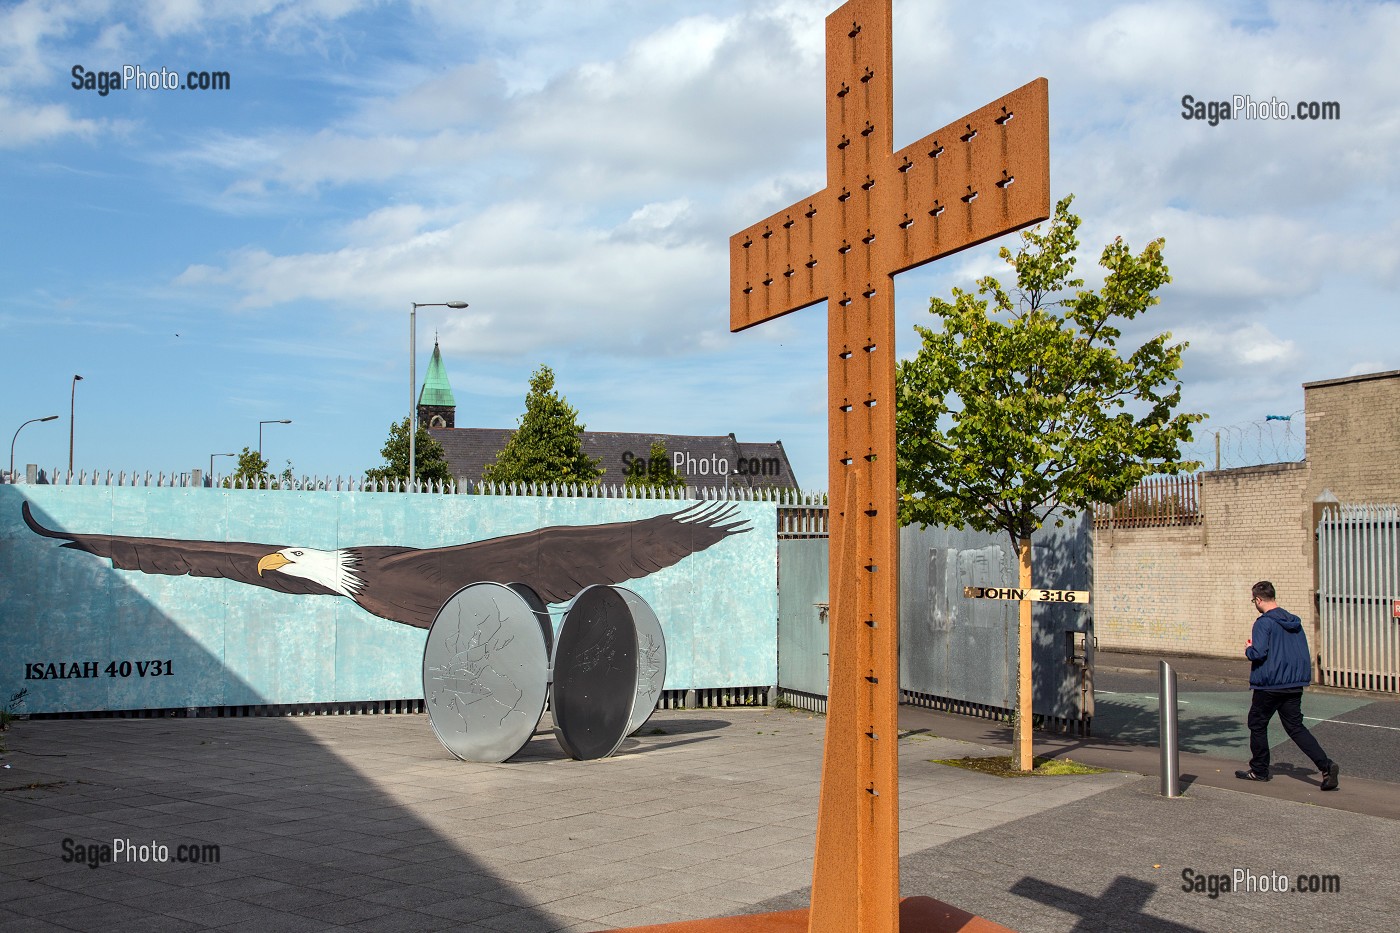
<point x="1251" y="776"/>
<point x="1329" y="777"/>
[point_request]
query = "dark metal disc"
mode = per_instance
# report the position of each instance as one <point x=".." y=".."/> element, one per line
<point x="651" y="659"/>
<point x="484" y="679"/>
<point x="595" y="674"/>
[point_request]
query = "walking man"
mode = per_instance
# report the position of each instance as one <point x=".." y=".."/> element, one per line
<point x="1280" y="668"/>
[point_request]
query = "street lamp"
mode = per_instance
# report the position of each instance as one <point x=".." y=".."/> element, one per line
<point x="16" y="437"/>
<point x="72" y="405"/>
<point x="413" y="379"/>
<point x="261" y="423"/>
<point x="211" y="461"/>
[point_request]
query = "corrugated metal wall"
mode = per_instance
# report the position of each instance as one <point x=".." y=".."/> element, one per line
<point x="962" y="655"/>
<point x="955" y="653"/>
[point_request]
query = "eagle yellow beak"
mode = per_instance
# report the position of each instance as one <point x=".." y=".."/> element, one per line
<point x="272" y="562"/>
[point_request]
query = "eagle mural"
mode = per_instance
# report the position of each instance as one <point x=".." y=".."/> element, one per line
<point x="409" y="585"/>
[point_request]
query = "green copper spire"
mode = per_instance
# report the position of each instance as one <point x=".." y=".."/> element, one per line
<point x="436" y="389"/>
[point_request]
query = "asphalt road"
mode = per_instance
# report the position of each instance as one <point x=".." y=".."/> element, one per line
<point x="1360" y="733"/>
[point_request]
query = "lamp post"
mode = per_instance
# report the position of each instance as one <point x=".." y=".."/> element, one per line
<point x="211" y="462"/>
<point x="413" y="379"/>
<point x="72" y="406"/>
<point x="261" y="423"/>
<point x="16" y="437"/>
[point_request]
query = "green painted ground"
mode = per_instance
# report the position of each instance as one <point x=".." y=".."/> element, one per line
<point x="1208" y="722"/>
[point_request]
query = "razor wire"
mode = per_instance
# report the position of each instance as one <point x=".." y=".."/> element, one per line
<point x="1271" y="439"/>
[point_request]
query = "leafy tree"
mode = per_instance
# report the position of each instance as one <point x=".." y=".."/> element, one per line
<point x="656" y="470"/>
<point x="252" y="469"/>
<point x="547" y="447"/>
<point x="1022" y="406"/>
<point x="429" y="459"/>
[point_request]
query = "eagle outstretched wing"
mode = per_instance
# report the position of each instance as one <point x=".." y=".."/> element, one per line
<point x="409" y="585"/>
<point x="557" y="562"/>
<point x="232" y="560"/>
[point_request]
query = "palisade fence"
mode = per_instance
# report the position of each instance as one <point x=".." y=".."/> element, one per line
<point x="800" y="514"/>
<point x="1156" y="502"/>
<point x="1358" y="597"/>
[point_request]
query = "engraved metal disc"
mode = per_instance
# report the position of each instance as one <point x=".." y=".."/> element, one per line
<point x="484" y="673"/>
<point x="595" y="674"/>
<point x="651" y="659"/>
<point x="532" y="599"/>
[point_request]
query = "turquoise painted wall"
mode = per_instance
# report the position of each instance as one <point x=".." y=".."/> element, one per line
<point x="230" y="644"/>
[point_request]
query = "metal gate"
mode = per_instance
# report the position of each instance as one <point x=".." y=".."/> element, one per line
<point x="1358" y="596"/>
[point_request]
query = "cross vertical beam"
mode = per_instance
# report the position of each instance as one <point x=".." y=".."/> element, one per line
<point x="881" y="212"/>
<point x="860" y="778"/>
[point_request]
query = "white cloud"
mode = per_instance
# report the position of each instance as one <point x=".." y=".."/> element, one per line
<point x="26" y="124"/>
<point x="1232" y="352"/>
<point x="703" y="99"/>
<point x="574" y="170"/>
<point x="535" y="277"/>
<point x="389" y="224"/>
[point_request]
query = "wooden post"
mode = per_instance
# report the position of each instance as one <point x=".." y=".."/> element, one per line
<point x="1025" y="758"/>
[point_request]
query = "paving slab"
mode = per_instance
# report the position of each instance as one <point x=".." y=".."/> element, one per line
<point x="367" y="823"/>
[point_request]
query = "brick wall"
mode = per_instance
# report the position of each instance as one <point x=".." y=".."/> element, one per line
<point x="1353" y="437"/>
<point x="1186" y="590"/>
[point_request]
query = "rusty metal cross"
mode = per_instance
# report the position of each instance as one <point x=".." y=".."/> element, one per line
<point x="881" y="213"/>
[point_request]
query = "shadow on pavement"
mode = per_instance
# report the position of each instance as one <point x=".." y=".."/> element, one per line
<point x="1119" y="907"/>
<point x="1130" y="724"/>
<point x="305" y="836"/>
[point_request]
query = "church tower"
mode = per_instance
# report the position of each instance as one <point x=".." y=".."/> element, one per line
<point x="436" y="406"/>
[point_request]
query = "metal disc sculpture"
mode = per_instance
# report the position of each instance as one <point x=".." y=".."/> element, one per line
<point x="595" y="674"/>
<point x="491" y="655"/>
<point x="651" y="659"/>
<point x="541" y="611"/>
<point x="483" y="673"/>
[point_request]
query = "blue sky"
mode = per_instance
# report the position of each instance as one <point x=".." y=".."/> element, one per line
<point x="208" y="260"/>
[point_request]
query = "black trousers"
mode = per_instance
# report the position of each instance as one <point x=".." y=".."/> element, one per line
<point x="1289" y="706"/>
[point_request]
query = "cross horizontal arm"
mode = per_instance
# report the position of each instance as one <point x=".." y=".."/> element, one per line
<point x="972" y="180"/>
<point x="773" y="264"/>
<point x="977" y="178"/>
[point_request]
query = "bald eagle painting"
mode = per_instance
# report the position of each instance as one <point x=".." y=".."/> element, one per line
<point x="409" y="585"/>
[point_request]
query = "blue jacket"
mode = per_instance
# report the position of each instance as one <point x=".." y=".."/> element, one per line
<point x="1279" y="653"/>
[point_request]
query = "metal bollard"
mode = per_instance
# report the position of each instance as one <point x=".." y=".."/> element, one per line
<point x="1166" y="730"/>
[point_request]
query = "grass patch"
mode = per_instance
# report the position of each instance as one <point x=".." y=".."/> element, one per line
<point x="1001" y="766"/>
